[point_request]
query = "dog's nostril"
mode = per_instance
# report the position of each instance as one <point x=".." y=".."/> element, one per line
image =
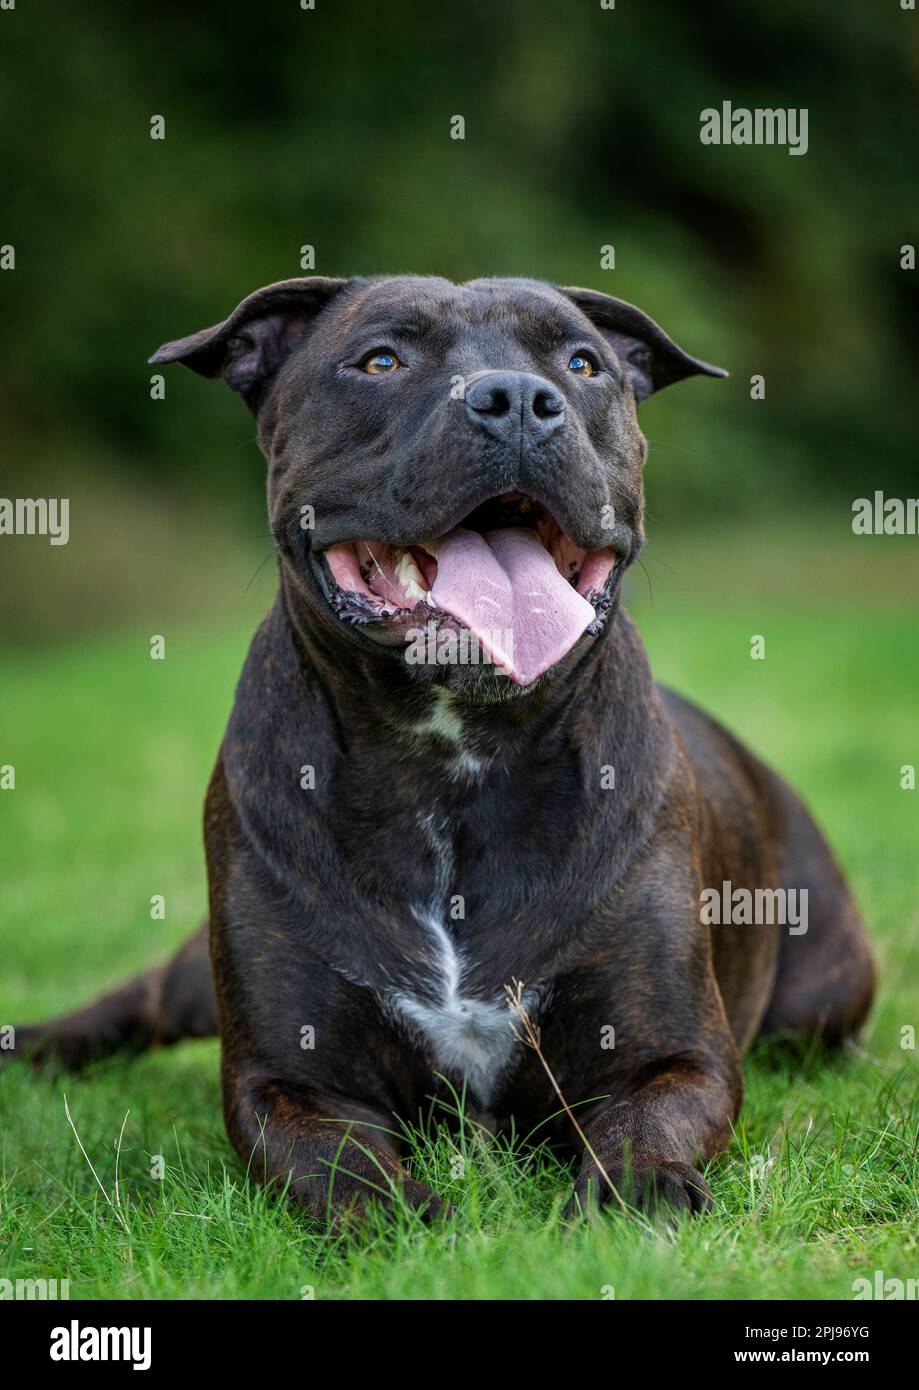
<point x="547" y="402"/>
<point x="493" y="402"/>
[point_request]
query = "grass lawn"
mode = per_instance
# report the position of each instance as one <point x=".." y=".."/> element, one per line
<point x="112" y="752"/>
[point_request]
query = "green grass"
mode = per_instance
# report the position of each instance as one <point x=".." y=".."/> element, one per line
<point x="112" y="752"/>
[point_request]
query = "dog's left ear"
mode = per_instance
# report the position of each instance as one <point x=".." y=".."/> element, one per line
<point x="247" y="348"/>
<point x="649" y="357"/>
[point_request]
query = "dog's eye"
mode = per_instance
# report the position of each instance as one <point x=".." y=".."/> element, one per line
<point x="582" y="364"/>
<point x="381" y="362"/>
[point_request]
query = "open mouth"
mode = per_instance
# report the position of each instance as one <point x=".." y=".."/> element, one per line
<point x="507" y="573"/>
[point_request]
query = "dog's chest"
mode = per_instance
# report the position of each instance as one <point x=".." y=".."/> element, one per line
<point x="467" y="1029"/>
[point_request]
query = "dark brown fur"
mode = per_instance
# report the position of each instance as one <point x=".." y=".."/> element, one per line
<point x="589" y="896"/>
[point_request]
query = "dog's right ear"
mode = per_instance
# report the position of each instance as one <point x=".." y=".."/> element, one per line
<point x="649" y="356"/>
<point x="249" y="346"/>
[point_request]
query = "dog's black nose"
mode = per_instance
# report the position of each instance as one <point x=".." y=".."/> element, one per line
<point x="505" y="402"/>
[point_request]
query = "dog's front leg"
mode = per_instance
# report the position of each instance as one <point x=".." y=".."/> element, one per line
<point x="333" y="1157"/>
<point x="649" y="1145"/>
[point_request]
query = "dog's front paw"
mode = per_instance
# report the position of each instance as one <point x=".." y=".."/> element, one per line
<point x="365" y="1185"/>
<point x="648" y="1184"/>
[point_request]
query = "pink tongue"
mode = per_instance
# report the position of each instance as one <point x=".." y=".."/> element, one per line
<point x="505" y="587"/>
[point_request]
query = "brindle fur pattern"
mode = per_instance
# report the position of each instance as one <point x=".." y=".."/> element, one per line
<point x="330" y="908"/>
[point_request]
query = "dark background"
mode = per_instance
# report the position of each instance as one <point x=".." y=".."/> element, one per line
<point x="331" y="127"/>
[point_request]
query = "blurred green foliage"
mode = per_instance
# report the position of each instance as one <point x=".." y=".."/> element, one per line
<point x="331" y="127"/>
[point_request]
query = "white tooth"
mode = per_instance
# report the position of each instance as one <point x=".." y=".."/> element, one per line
<point x="409" y="576"/>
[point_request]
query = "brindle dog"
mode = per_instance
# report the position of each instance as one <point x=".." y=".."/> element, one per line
<point x="396" y="830"/>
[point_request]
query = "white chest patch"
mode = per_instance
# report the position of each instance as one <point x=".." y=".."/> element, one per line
<point x="443" y="722"/>
<point x="470" y="1036"/>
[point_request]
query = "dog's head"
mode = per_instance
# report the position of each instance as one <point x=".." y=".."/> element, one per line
<point x="455" y="471"/>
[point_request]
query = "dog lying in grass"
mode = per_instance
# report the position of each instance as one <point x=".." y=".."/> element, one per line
<point x="449" y="783"/>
